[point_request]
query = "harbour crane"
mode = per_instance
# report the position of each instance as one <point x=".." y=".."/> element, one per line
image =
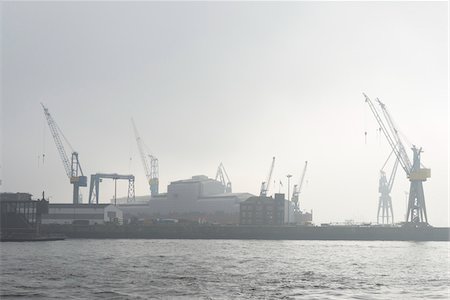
<point x="416" y="213"/>
<point x="385" y="208"/>
<point x="94" y="189"/>
<point x="298" y="189"/>
<point x="265" y="185"/>
<point x="72" y="166"/>
<point x="150" y="163"/>
<point x="222" y="175"/>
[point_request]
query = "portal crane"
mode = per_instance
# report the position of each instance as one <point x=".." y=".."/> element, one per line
<point x="72" y="166"/>
<point x="222" y="175"/>
<point x="385" y="208"/>
<point x="94" y="189"/>
<point x="265" y="185"/>
<point x="298" y="189"/>
<point x="150" y="163"/>
<point x="416" y="213"/>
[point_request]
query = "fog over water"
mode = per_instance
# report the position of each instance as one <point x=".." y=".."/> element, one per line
<point x="235" y="83"/>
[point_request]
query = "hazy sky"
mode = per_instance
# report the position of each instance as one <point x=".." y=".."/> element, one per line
<point x="235" y="83"/>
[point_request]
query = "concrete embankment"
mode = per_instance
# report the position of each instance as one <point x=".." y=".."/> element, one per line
<point x="193" y="231"/>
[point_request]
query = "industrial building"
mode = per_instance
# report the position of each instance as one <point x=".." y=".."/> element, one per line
<point x="196" y="199"/>
<point x="263" y="210"/>
<point x="20" y="215"/>
<point x="85" y="214"/>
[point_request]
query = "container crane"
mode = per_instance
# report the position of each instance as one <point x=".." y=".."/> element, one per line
<point x="265" y="185"/>
<point x="416" y="213"/>
<point x="385" y="208"/>
<point x="150" y="163"/>
<point x="298" y="189"/>
<point x="222" y="175"/>
<point x="72" y="166"/>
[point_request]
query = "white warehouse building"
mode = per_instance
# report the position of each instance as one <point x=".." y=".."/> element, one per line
<point x="66" y="213"/>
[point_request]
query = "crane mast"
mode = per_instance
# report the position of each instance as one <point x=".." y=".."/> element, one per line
<point x="416" y="212"/>
<point x="222" y="175"/>
<point x="385" y="209"/>
<point x="298" y="188"/>
<point x="149" y="162"/>
<point x="72" y="167"/>
<point x="265" y="185"/>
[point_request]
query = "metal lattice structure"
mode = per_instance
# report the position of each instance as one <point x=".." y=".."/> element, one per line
<point x="265" y="185"/>
<point x="416" y="213"/>
<point x="72" y="166"/>
<point x="94" y="189"/>
<point x="385" y="209"/>
<point x="298" y="189"/>
<point x="149" y="162"/>
<point x="222" y="176"/>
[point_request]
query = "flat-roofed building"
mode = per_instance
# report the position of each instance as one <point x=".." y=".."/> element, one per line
<point x="196" y="199"/>
<point x="262" y="211"/>
<point x="66" y="213"/>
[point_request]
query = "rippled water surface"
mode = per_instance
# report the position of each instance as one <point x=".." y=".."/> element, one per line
<point x="222" y="269"/>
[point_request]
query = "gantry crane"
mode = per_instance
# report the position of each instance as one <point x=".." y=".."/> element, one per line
<point x="94" y="190"/>
<point x="416" y="213"/>
<point x="222" y="175"/>
<point x="150" y="163"/>
<point x="298" y="189"/>
<point x="72" y="166"/>
<point x="265" y="185"/>
<point x="385" y="209"/>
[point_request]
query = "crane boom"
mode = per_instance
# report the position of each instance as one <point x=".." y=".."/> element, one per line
<point x="59" y="145"/>
<point x="144" y="159"/>
<point x="222" y="175"/>
<point x="396" y="137"/>
<point x="72" y="167"/>
<point x="149" y="162"/>
<point x="302" y="178"/>
<point x="416" y="213"/>
<point x="394" y="146"/>
<point x="265" y="185"/>
<point x="298" y="188"/>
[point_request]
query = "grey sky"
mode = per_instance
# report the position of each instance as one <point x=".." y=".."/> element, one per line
<point x="231" y="82"/>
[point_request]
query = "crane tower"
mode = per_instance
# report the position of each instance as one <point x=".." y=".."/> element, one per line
<point x="385" y="209"/>
<point x="150" y="163"/>
<point x="416" y="213"/>
<point x="72" y="166"/>
<point x="223" y="177"/>
<point x="298" y="189"/>
<point x="265" y="185"/>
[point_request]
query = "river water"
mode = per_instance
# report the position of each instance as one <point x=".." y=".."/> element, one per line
<point x="224" y="269"/>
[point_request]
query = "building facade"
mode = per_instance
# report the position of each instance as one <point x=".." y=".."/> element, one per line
<point x="271" y="211"/>
<point x="262" y="211"/>
<point x="86" y="214"/>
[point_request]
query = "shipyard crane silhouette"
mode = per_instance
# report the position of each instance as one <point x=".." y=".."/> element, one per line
<point x="385" y="209"/>
<point x="298" y="189"/>
<point x="150" y="163"/>
<point x="94" y="189"/>
<point x="72" y="166"/>
<point x="222" y="175"/>
<point x="416" y="213"/>
<point x="265" y="185"/>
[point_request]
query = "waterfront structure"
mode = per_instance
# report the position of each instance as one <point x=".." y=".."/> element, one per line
<point x="265" y="210"/>
<point x="82" y="214"/>
<point x="20" y="215"/>
<point x="262" y="210"/>
<point x="199" y="199"/>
